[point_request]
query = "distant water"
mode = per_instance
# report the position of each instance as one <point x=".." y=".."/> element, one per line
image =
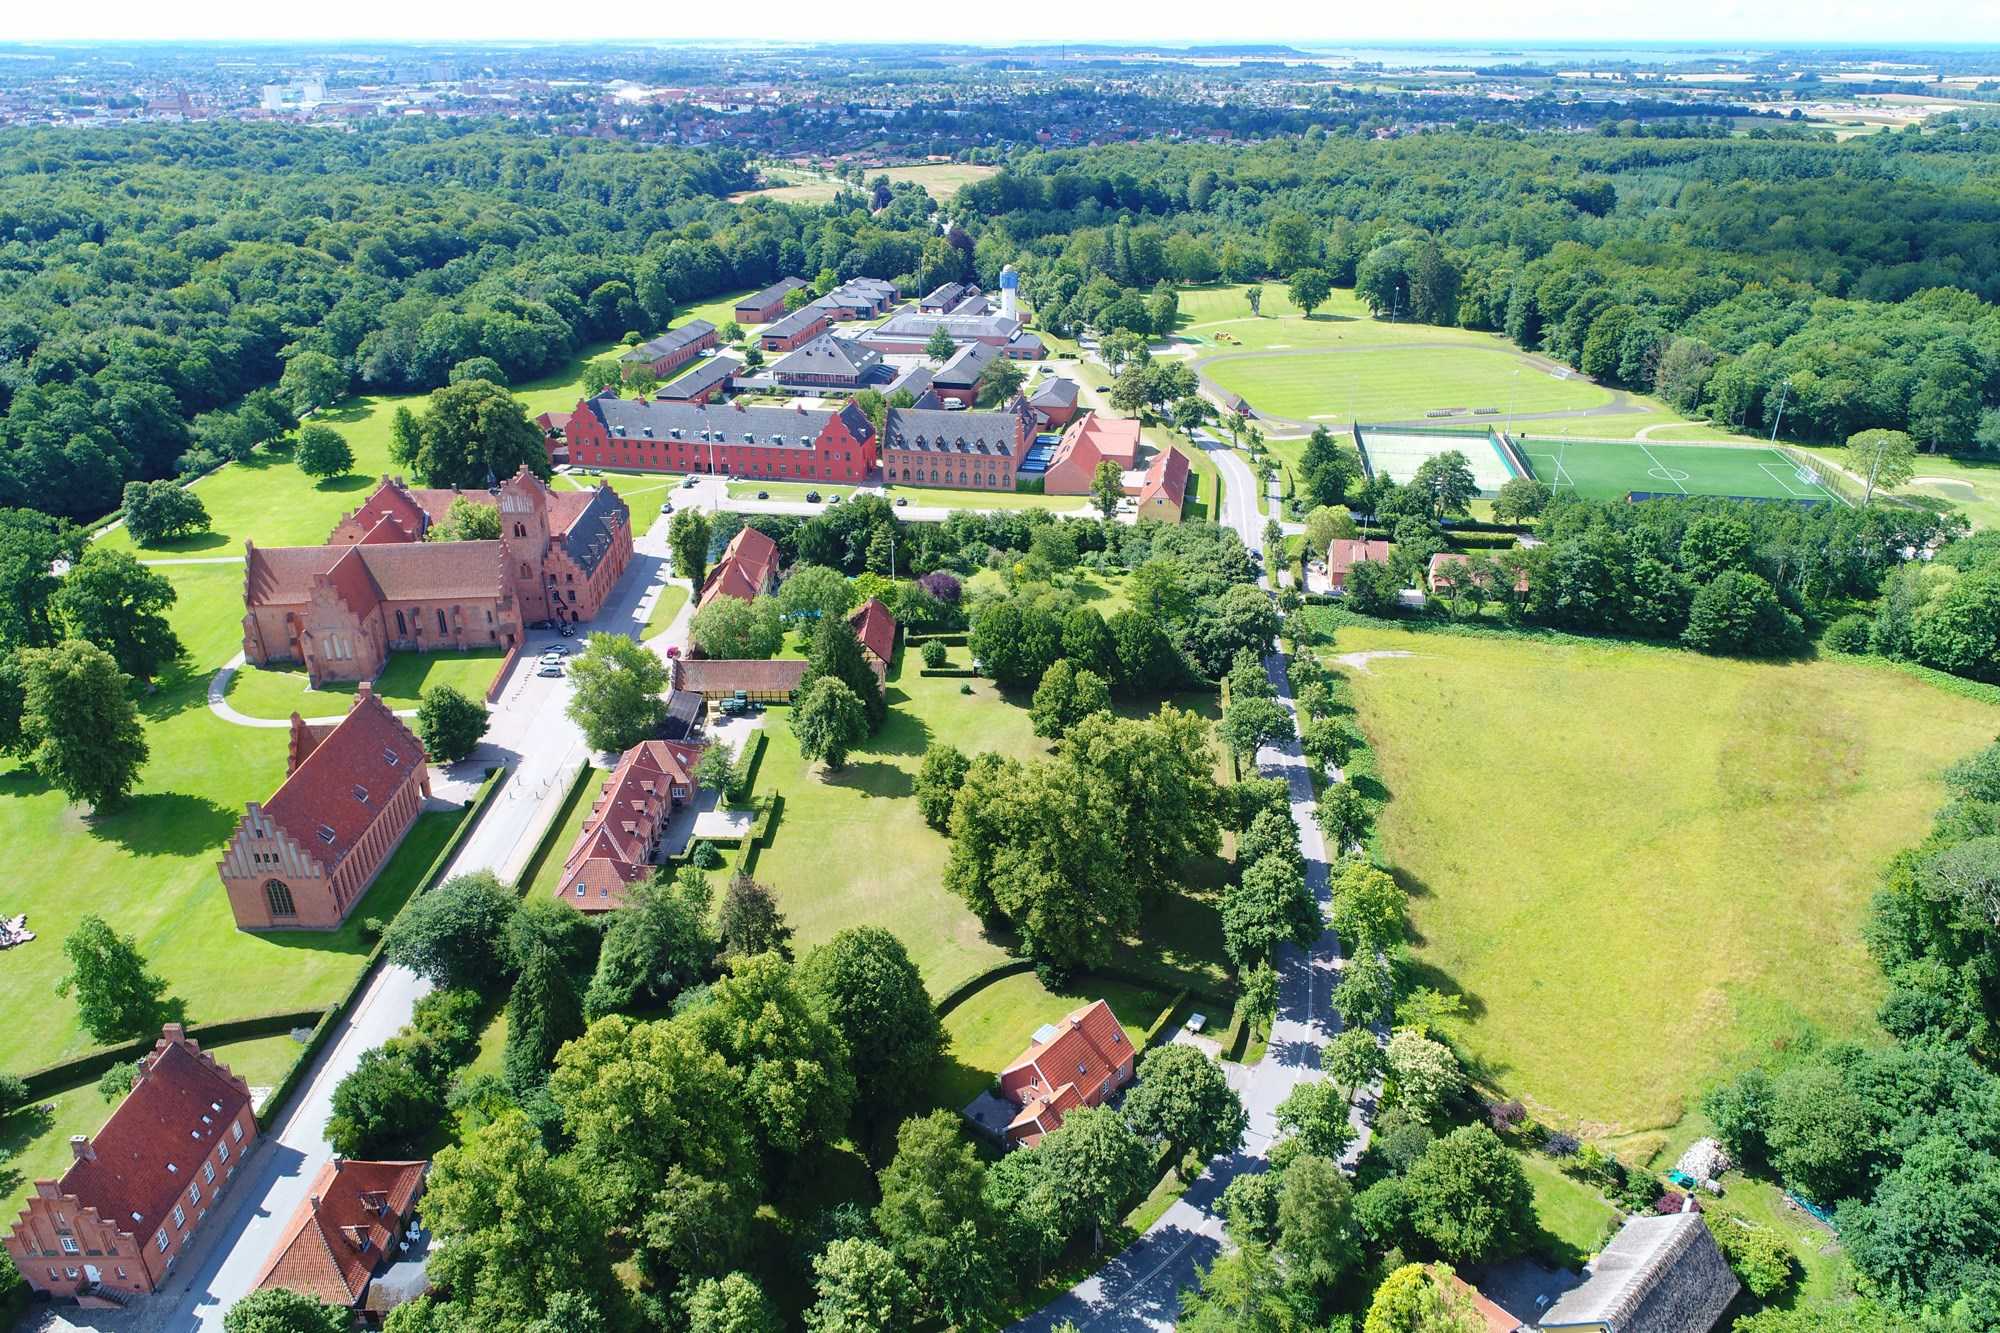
<point x="1565" y="57"/>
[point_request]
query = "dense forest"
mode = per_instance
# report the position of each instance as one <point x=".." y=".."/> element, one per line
<point x="152" y="278"/>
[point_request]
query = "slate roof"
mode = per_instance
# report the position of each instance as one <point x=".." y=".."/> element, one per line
<point x="876" y="629"/>
<point x="775" y="292"/>
<point x="588" y="531"/>
<point x="797" y="322"/>
<point x="153" y="1145"/>
<point x="945" y="296"/>
<point x="724" y="423"/>
<point x="703" y="376"/>
<point x="1054" y="391"/>
<point x="935" y="430"/>
<point x="673" y="340"/>
<point x="827" y="355"/>
<point x="342" y="1230"/>
<point x="370" y="752"/>
<point x="914" y="324"/>
<point x="963" y="370"/>
<point x="1658" y="1275"/>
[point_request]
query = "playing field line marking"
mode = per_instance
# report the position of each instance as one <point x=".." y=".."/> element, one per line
<point x="1556" y="470"/>
<point x="1666" y="472"/>
<point x="1787" y="475"/>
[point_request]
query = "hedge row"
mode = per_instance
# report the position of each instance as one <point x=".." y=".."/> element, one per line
<point x="950" y="638"/>
<point x="947" y="671"/>
<point x="84" y="1068"/>
<point x="554" y="830"/>
<point x="972" y="985"/>
<point x="1165" y="1022"/>
<point x="331" y="1020"/>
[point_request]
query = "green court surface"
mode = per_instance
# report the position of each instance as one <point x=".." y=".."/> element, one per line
<point x="1398" y="383"/>
<point x="1611" y="470"/>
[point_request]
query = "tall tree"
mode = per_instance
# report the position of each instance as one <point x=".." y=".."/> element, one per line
<point x="322" y="452"/>
<point x="452" y="936"/>
<point x="828" y="720"/>
<point x="939" y="347"/>
<point x="1241" y="1292"/>
<point x="1884" y="458"/>
<point x="1318" y="1238"/>
<point x="1470" y="1198"/>
<point x="836" y="655"/>
<point x="935" y="1218"/>
<point x="476" y="434"/>
<point x="796" y="1086"/>
<point x="658" y="943"/>
<point x="1182" y="1098"/>
<point x="1100" y="1164"/>
<point x="864" y="982"/>
<point x="1309" y="288"/>
<point x="749" y="922"/>
<point x="1446" y="482"/>
<point x="1269" y="904"/>
<point x="78" y="727"/>
<point x="860" y="1288"/>
<point x="1107" y="488"/>
<point x="729" y="627"/>
<point x="116" y="996"/>
<point x="543" y="1011"/>
<point x="731" y="1304"/>
<point x="279" y="1310"/>
<point x="515" y="1227"/>
<point x="687" y="539"/>
<point x="449" y="724"/>
<point x="118" y="604"/>
<point x="615" y="689"/>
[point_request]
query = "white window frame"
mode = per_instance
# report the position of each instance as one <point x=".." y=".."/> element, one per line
<point x="180" y="1217"/>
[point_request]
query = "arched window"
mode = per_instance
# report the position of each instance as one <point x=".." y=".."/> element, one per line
<point x="524" y="570"/>
<point x="278" y="897"/>
<point x="520" y="529"/>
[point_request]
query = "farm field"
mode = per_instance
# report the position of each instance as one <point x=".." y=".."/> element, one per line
<point x="941" y="180"/>
<point x="278" y="692"/>
<point x="1376" y="383"/>
<point x="1627" y="910"/>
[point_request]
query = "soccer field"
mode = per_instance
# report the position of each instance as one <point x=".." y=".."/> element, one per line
<point x="1397" y="383"/>
<point x="1610" y="470"/>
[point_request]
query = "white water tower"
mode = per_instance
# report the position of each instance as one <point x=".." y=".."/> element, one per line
<point x="1010" y="292"/>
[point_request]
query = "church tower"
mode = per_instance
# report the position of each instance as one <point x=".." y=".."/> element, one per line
<point x="524" y="539"/>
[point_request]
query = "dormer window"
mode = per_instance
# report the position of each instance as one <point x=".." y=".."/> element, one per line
<point x="361" y="794"/>
<point x="326" y="834"/>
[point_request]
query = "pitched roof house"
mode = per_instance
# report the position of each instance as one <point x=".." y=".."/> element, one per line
<point x="672" y="349"/>
<point x="1346" y="553"/>
<point x="876" y="629"/>
<point x="765" y="306"/>
<point x="345" y="1230"/>
<point x="619" y="843"/>
<point x="135" y="1194"/>
<point x="1079" y="1061"/>
<point x="1658" y="1275"/>
<point x="828" y="362"/>
<point x="773" y="681"/>
<point x="1091" y="439"/>
<point x="748" y="569"/>
<point x="1164" y="489"/>
<point x="304" y="857"/>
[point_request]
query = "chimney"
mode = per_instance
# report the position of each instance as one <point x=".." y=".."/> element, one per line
<point x="173" y="1032"/>
<point x="79" y="1147"/>
<point x="363" y="690"/>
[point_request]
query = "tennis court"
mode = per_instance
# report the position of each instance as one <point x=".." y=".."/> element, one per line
<point x="1398" y="453"/>
<point x="1613" y="469"/>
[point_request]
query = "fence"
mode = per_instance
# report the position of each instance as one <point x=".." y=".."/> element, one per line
<point x="1837" y="483"/>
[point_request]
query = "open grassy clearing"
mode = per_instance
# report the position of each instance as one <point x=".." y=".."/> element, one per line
<point x="1575" y="1216"/>
<point x="993" y="1027"/>
<point x="280" y="691"/>
<point x="941" y="180"/>
<point x="1103" y="592"/>
<point x="1629" y="909"/>
<point x="1400" y="384"/>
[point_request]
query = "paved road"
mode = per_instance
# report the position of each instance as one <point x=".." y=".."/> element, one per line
<point x="1140" y="1288"/>
<point x="541" y="748"/>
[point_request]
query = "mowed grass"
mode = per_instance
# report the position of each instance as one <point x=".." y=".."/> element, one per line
<point x="280" y="691"/>
<point x="989" y="1030"/>
<point x="544" y="875"/>
<point x="1573" y="1215"/>
<point x="941" y="180"/>
<point x="1640" y="865"/>
<point x="1399" y="384"/>
<point x="944" y="497"/>
<point x="672" y="597"/>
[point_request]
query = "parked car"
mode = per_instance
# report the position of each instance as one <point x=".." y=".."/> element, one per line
<point x="833" y="500"/>
<point x="549" y="669"/>
<point x="763" y="495"/>
<point x="902" y="500"/>
<point x="812" y="497"/>
<point x="691" y="481"/>
<point x="1104" y="388"/>
<point x="667" y="507"/>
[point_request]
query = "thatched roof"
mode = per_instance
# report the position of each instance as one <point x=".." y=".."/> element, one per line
<point x="1658" y="1275"/>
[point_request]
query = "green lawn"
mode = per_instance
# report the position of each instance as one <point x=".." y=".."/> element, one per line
<point x="1373" y="383"/>
<point x="282" y="690"/>
<point x="785" y="490"/>
<point x="994" y="1026"/>
<point x="850" y="848"/>
<point x="545" y="873"/>
<point x="644" y="491"/>
<point x="1966" y="482"/>
<point x="673" y="596"/>
<point x="1628" y="909"/>
<point x="944" y="497"/>
<point x="1574" y="1216"/>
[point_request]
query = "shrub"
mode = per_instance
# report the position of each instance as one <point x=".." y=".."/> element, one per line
<point x="1760" y="1256"/>
<point x="1639" y="1192"/>
<point x="13" y="1092"/>
<point x="934" y="654"/>
<point x="706" y="857"/>
<point x="1505" y="1115"/>
<point x="1849" y="634"/>
<point x="1560" y="1145"/>
<point x="116" y="1081"/>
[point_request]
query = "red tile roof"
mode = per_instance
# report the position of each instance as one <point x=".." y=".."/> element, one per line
<point x="1496" y="1319"/>
<point x="876" y="629"/>
<point x="321" y="793"/>
<point x="1085" y="1060"/>
<point x="726" y="675"/>
<point x="390" y="499"/>
<point x="1166" y="478"/>
<point x="370" y="574"/>
<point x="611" y="849"/>
<point x="143" y="1160"/>
<point x="746" y="569"/>
<point x="1439" y="571"/>
<point x="342" y="1230"/>
<point x="1347" y="552"/>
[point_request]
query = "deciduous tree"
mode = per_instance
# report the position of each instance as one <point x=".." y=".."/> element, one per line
<point x="1470" y="1198"/>
<point x="828" y="720"/>
<point x="860" y="1288"/>
<point x="935" y="1217"/>
<point x="322" y="452"/>
<point x="78" y="727"/>
<point x="280" y="1310"/>
<point x="729" y="627"/>
<point x="449" y="724"/>
<point x="687" y="540"/>
<point x="791" y="1062"/>
<point x="863" y="981"/>
<point x="1107" y="488"/>
<point x="113" y="601"/>
<point x="1183" y="1098"/>
<point x="116" y="996"/>
<point x="453" y="935"/>
<point x="616" y="685"/>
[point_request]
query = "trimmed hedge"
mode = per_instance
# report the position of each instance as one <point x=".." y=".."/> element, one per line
<point x="950" y="638"/>
<point x="947" y="671"/>
<point x="88" y="1067"/>
<point x="972" y="985"/>
<point x="1165" y="1022"/>
<point x="554" y="830"/>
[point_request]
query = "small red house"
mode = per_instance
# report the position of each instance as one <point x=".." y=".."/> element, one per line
<point x="134" y="1196"/>
<point x="620" y="840"/>
<point x="796" y="329"/>
<point x="345" y="1231"/>
<point x="1346" y="553"/>
<point x="1079" y="1061"/>
<point x="671" y="350"/>
<point x="767" y="305"/>
<point x="748" y="569"/>
<point x="876" y="629"/>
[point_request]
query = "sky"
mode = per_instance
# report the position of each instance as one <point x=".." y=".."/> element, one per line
<point x="1318" y="22"/>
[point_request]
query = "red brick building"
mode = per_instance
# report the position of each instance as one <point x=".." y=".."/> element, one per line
<point x="134" y="1196"/>
<point x="619" y="844"/>
<point x="875" y="629"/>
<point x="796" y="329"/>
<point x="767" y="305"/>
<point x="345" y="1231"/>
<point x="1346" y="553"/>
<point x="378" y="587"/>
<point x="1079" y="1061"/>
<point x="1091" y="439"/>
<point x="776" y="443"/>
<point x="304" y="858"/>
<point x="748" y="569"/>
<point x="977" y="450"/>
<point x="670" y="351"/>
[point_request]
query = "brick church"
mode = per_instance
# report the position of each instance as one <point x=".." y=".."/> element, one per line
<point x="377" y="586"/>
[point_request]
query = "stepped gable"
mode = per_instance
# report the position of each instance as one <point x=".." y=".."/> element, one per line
<point x="341" y="783"/>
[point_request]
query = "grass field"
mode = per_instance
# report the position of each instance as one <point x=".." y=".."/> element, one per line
<point x="1399" y="383"/>
<point x="785" y="490"/>
<point x="1601" y="471"/>
<point x="1630" y="909"/>
<point x="278" y="692"/>
<point x="940" y="180"/>
<point x="993" y="1027"/>
<point x="673" y="596"/>
<point x="1575" y="1216"/>
<point x="542" y="877"/>
<point x="944" y="497"/>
